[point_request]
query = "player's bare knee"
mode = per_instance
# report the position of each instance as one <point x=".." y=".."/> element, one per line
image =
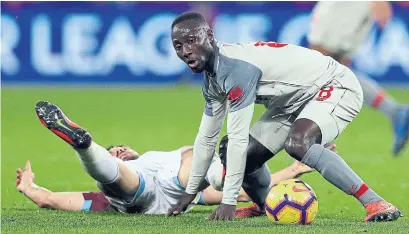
<point x="303" y="134"/>
<point x="117" y="190"/>
<point x="297" y="145"/>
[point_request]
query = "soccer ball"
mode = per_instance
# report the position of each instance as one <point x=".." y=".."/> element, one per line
<point x="291" y="202"/>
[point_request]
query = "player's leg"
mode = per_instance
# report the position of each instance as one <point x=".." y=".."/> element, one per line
<point x="112" y="175"/>
<point x="213" y="194"/>
<point x="267" y="139"/>
<point x="256" y="180"/>
<point x="293" y="171"/>
<point x="376" y="97"/>
<point x="311" y="130"/>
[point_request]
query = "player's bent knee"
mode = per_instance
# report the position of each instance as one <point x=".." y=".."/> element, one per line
<point x="115" y="190"/>
<point x="303" y="134"/>
<point x="295" y="146"/>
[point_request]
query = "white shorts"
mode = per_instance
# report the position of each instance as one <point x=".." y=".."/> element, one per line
<point x="332" y="109"/>
<point x="340" y="27"/>
<point x="159" y="187"/>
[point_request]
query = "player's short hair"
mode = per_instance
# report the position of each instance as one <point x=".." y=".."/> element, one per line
<point x="112" y="146"/>
<point x="189" y="16"/>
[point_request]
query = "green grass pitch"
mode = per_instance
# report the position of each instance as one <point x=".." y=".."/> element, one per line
<point x="165" y="119"/>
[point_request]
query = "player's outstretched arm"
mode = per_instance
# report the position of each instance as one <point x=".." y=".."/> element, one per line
<point x="203" y="152"/>
<point x="44" y="198"/>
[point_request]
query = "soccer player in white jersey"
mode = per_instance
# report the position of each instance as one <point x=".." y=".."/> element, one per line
<point x="149" y="184"/>
<point x="97" y="202"/>
<point x="338" y="36"/>
<point x="310" y="99"/>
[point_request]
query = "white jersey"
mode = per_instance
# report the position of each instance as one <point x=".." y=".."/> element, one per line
<point x="283" y="77"/>
<point x="290" y="74"/>
<point x="159" y="187"/>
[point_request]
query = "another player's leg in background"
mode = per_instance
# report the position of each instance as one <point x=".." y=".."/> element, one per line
<point x="376" y="97"/>
<point x="113" y="177"/>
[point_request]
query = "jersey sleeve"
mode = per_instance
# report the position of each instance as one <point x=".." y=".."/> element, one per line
<point x="206" y="139"/>
<point x="241" y="89"/>
<point x="241" y="85"/>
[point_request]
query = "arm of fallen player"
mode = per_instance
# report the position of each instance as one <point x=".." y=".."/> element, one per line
<point x="44" y="198"/>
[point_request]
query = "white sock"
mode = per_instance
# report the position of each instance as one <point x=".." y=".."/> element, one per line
<point x="99" y="163"/>
<point x="214" y="175"/>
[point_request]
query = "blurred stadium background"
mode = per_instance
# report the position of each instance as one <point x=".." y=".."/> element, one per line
<point x="111" y="67"/>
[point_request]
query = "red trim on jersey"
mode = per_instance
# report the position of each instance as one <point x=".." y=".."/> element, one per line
<point x="361" y="191"/>
<point x="378" y="99"/>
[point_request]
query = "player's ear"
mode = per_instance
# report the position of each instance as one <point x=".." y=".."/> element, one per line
<point x="210" y="35"/>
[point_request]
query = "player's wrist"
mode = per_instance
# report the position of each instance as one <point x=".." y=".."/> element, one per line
<point x="26" y="190"/>
<point x="229" y="201"/>
<point x="190" y="192"/>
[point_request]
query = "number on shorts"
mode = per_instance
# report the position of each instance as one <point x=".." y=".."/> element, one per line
<point x="270" y="44"/>
<point x="325" y="93"/>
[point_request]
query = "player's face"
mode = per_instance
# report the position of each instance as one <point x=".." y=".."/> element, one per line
<point x="193" y="44"/>
<point x="123" y="152"/>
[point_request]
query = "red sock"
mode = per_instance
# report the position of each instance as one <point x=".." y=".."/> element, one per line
<point x="378" y="99"/>
<point x="361" y="191"/>
<point x="365" y="195"/>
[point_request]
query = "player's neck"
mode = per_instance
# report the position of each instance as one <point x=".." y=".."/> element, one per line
<point x="212" y="63"/>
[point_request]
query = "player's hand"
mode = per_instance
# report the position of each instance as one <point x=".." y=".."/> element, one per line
<point x="381" y="12"/>
<point x="25" y="178"/>
<point x="182" y="204"/>
<point x="223" y="212"/>
<point x="299" y="168"/>
<point x="332" y="147"/>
